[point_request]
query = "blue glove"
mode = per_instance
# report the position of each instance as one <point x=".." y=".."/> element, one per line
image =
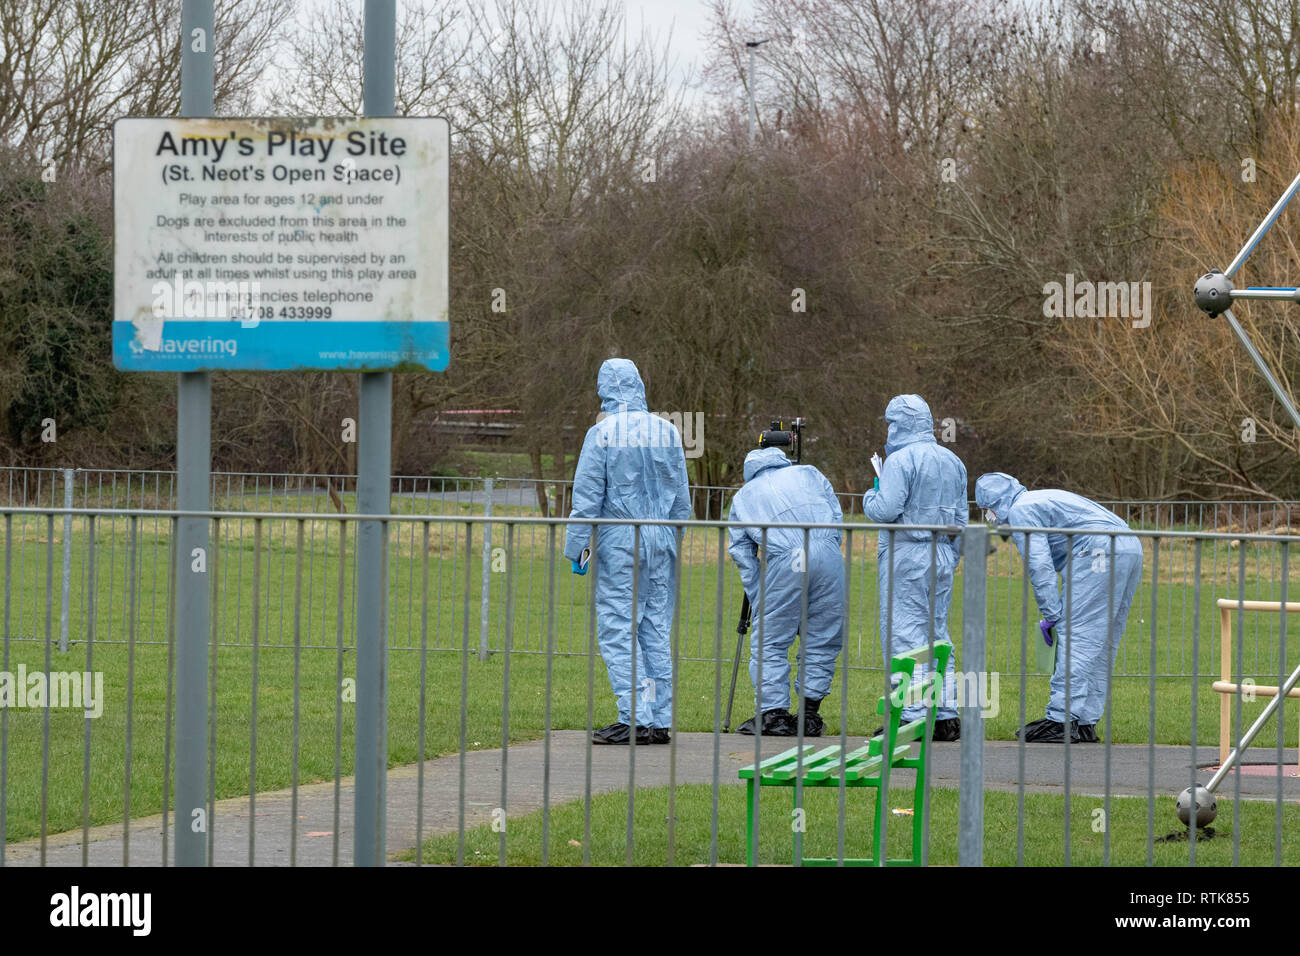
<point x="580" y="566"/>
<point x="1048" y="629"/>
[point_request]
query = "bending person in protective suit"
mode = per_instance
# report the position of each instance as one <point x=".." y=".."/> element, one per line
<point x="632" y="465"/>
<point x="921" y="483"/>
<point x="1082" y="617"/>
<point x="776" y="490"/>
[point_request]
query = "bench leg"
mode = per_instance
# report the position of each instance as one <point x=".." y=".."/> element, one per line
<point x="794" y="834"/>
<point x="749" y="822"/>
<point x="918" y="807"/>
<point x="878" y="854"/>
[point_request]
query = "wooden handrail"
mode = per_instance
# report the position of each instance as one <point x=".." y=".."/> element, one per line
<point x="1234" y="604"/>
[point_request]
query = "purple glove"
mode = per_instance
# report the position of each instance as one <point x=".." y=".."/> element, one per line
<point x="1048" y="629"/>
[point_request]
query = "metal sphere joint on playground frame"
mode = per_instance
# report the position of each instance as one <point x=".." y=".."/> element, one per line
<point x="1213" y="293"/>
<point x="1207" y="807"/>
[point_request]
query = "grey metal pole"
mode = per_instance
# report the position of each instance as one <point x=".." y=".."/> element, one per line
<point x="68" y="480"/>
<point x="1275" y="294"/>
<point x="484" y="591"/>
<point x="193" y="464"/>
<point x="1262" y="228"/>
<point x="374" y="467"/>
<point x="970" y="806"/>
<point x="1263" y="367"/>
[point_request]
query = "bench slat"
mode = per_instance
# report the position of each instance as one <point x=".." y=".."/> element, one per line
<point x="825" y="765"/>
<point x="772" y="763"/>
<point x="810" y="763"/>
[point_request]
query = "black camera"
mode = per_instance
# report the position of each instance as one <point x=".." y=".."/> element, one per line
<point x="784" y="435"/>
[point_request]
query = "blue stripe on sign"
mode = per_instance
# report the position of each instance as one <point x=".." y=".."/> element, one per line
<point x="202" y="346"/>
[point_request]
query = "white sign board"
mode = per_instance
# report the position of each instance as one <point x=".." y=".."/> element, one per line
<point x="281" y="243"/>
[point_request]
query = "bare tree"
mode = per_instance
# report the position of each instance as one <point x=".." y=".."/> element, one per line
<point x="561" y="111"/>
<point x="68" y="69"/>
<point x="326" y="60"/>
<point x="1184" y="390"/>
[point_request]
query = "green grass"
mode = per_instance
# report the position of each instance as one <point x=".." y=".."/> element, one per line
<point x="506" y="464"/>
<point x="122" y="614"/>
<point x="607" y="844"/>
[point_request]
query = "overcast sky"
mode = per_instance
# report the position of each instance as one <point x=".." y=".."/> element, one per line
<point x="688" y="20"/>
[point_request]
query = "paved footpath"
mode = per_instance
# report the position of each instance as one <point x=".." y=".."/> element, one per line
<point x="697" y="759"/>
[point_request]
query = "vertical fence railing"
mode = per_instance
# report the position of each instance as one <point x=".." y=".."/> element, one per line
<point x="415" y="495"/>
<point x="975" y="552"/>
<point x="1174" y="598"/>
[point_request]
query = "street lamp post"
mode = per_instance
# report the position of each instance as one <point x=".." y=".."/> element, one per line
<point x="753" y="46"/>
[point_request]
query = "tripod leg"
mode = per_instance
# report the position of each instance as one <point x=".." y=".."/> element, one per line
<point x="735" y="670"/>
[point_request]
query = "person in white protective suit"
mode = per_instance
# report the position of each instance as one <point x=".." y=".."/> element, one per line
<point x="776" y="490"/>
<point x="632" y="465"/>
<point x="1085" y="616"/>
<point x="921" y="483"/>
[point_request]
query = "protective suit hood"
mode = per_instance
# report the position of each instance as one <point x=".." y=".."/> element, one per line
<point x="619" y="383"/>
<point x="997" y="491"/>
<point x="909" y="422"/>
<point x="761" y="459"/>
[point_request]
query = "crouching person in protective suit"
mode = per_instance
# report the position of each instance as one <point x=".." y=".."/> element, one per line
<point x="1084" y="618"/>
<point x="777" y="491"/>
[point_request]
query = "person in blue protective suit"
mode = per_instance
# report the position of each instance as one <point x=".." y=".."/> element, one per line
<point x="777" y="491"/>
<point x="632" y="465"/>
<point x="1087" y="614"/>
<point x="921" y="483"/>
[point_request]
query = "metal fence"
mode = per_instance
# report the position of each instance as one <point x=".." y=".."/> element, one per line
<point x="495" y="683"/>
<point x="271" y="497"/>
<point x="22" y="487"/>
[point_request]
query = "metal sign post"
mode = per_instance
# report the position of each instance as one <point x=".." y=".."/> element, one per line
<point x="374" y="461"/>
<point x="275" y="244"/>
<point x="193" y="465"/>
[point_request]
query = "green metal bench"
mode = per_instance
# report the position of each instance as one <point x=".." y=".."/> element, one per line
<point x="863" y="767"/>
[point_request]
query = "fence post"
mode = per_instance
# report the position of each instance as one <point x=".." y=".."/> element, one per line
<point x="67" y="561"/>
<point x="484" y="595"/>
<point x="974" y="619"/>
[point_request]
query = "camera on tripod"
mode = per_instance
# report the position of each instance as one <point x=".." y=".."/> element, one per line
<point x="784" y="435"/>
